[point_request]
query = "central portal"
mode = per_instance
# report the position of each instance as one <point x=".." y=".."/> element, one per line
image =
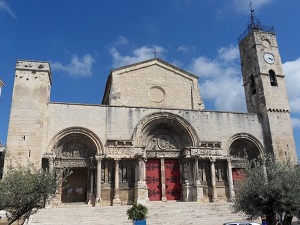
<point x="163" y="179"/>
<point x="76" y="186"/>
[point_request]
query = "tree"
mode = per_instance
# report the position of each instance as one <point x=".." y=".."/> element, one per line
<point x="269" y="186"/>
<point x="23" y="191"/>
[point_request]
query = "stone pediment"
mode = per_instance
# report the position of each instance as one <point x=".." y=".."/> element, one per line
<point x="157" y="62"/>
<point x="153" y="83"/>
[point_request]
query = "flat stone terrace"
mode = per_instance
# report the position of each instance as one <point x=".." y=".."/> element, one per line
<point x="160" y="213"/>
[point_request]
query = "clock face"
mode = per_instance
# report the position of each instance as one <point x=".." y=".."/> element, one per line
<point x="269" y="58"/>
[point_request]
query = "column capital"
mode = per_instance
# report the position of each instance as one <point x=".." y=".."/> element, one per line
<point x="117" y="159"/>
<point x="212" y="160"/>
<point x="228" y="160"/>
<point x="99" y="157"/>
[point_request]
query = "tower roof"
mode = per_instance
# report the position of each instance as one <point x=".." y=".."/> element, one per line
<point x="254" y="25"/>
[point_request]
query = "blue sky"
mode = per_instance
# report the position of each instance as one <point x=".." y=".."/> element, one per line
<point x="84" y="40"/>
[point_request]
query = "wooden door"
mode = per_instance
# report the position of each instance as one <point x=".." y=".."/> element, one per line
<point x="76" y="186"/>
<point x="172" y="175"/>
<point x="153" y="179"/>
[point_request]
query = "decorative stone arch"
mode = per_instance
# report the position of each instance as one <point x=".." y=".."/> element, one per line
<point x="73" y="132"/>
<point x="75" y="148"/>
<point x="240" y="144"/>
<point x="156" y="122"/>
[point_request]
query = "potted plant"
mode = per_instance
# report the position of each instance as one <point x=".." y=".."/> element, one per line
<point x="137" y="213"/>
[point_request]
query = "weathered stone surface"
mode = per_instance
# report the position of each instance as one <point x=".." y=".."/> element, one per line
<point x="151" y="110"/>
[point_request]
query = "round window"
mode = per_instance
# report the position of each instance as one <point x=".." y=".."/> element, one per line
<point x="156" y="94"/>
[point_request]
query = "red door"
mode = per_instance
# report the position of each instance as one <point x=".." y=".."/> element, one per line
<point x="172" y="174"/>
<point x="153" y="179"/>
<point x="237" y="174"/>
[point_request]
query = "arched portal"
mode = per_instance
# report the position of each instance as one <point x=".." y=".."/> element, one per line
<point x="164" y="136"/>
<point x="243" y="146"/>
<point x="165" y="123"/>
<point x="76" y="148"/>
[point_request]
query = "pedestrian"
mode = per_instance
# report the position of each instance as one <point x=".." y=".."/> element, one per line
<point x="278" y="219"/>
<point x="264" y="219"/>
<point x="288" y="217"/>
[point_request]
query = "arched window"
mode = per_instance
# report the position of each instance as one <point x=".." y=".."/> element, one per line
<point x="252" y="85"/>
<point x="272" y="76"/>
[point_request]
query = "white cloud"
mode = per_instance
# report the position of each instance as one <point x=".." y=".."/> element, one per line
<point x="186" y="48"/>
<point x="221" y="79"/>
<point x="229" y="54"/>
<point x="4" y="7"/>
<point x="243" y="5"/>
<point x="226" y="92"/>
<point x="138" y="55"/>
<point x="295" y="122"/>
<point x="80" y="67"/>
<point x="121" y="41"/>
<point x="295" y="105"/>
<point x="183" y="49"/>
<point x="292" y="77"/>
<point x="206" y="67"/>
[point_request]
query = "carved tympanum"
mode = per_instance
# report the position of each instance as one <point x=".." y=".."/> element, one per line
<point x="162" y="142"/>
<point x="76" y="148"/>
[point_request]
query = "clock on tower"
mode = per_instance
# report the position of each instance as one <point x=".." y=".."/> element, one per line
<point x="265" y="90"/>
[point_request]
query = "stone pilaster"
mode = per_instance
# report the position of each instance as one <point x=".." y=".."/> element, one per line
<point x="185" y="191"/>
<point x="198" y="186"/>
<point x="141" y="189"/>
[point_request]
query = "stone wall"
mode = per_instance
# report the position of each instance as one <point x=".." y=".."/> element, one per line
<point x="119" y="123"/>
<point x="153" y="83"/>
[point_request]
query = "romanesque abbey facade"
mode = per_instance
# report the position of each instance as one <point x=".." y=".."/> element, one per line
<point x="151" y="139"/>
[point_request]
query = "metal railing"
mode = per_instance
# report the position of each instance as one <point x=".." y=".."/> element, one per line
<point x="255" y="26"/>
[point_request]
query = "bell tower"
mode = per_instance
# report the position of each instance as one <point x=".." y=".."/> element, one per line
<point x="265" y="90"/>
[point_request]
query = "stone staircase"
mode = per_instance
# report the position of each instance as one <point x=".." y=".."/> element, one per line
<point x="160" y="213"/>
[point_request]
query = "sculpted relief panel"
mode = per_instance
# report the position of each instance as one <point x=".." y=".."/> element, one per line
<point x="76" y="148"/>
<point x="162" y="142"/>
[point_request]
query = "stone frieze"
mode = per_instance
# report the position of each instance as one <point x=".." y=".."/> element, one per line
<point x="125" y="152"/>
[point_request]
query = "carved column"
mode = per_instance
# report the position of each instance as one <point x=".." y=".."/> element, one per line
<point x="198" y="186"/>
<point x="141" y="191"/>
<point x="116" y="200"/>
<point x="186" y="193"/>
<point x="213" y="180"/>
<point x="98" y="187"/>
<point x="163" y="180"/>
<point x="92" y="195"/>
<point x="230" y="179"/>
<point x="51" y="162"/>
<point x="51" y="170"/>
<point x="58" y="194"/>
<point x="91" y="173"/>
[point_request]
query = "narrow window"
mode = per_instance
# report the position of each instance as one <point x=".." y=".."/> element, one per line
<point x="253" y="85"/>
<point x="273" y="80"/>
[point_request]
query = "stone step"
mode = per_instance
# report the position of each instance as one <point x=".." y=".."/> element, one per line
<point x="160" y="213"/>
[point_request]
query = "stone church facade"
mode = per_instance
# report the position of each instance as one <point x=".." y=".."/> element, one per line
<point x="151" y="139"/>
